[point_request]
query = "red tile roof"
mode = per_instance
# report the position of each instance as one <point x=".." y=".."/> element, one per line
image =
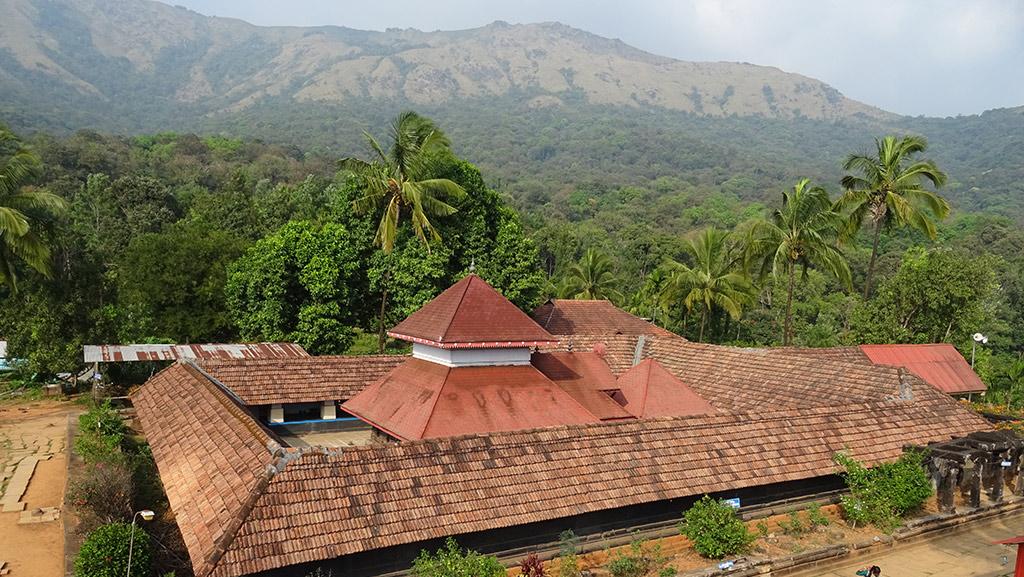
<point x="586" y="377"/>
<point x="325" y="506"/>
<point x="420" y="399"/>
<point x="471" y="314"/>
<point x="940" y="364"/>
<point x="651" y="391"/>
<point x="211" y="454"/>
<point x="591" y="317"/>
<point x="781" y="418"/>
<point x="303" y="380"/>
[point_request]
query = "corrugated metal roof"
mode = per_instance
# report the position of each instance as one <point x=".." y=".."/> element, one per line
<point x="939" y="364"/>
<point x="471" y="314"/>
<point x="136" y="353"/>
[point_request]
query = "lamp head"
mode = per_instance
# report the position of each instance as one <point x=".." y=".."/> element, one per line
<point x="146" y="515"/>
<point x="979" y="338"/>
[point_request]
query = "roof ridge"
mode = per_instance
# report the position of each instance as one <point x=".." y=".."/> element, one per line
<point x="278" y="459"/>
<point x="462" y="297"/>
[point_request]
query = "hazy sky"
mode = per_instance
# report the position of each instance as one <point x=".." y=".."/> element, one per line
<point x="932" y="57"/>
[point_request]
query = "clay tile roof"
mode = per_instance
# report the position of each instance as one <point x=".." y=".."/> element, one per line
<point x="591" y="317"/>
<point x="939" y="364"/>
<point x="301" y="380"/>
<point x="781" y="418"/>
<point x="420" y="399"/>
<point x="211" y="455"/>
<point x="587" y="378"/>
<point x="471" y="314"/>
<point x="325" y="506"/>
<point x="651" y="391"/>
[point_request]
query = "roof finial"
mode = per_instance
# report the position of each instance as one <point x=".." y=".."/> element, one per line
<point x="472" y="265"/>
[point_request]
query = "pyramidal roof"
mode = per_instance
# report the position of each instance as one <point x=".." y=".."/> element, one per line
<point x="652" y="391"/>
<point x="471" y="314"/>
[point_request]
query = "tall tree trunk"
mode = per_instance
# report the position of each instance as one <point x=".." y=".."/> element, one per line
<point x="382" y="336"/>
<point x="787" y="337"/>
<point x="871" y="263"/>
<point x="703" y="319"/>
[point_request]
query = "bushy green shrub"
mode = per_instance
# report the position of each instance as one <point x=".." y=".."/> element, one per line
<point x="452" y="561"/>
<point x="793" y="525"/>
<point x="638" y="561"/>
<point x="815" y="517"/>
<point x="884" y="493"/>
<point x="568" y="562"/>
<point x="105" y="552"/>
<point x="715" y="529"/>
<point x="100" y="434"/>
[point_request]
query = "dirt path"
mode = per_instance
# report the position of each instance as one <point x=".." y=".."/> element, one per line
<point x="32" y="451"/>
<point x="968" y="552"/>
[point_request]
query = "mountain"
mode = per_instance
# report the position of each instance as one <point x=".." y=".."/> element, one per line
<point x="124" y="60"/>
<point x="544" y="109"/>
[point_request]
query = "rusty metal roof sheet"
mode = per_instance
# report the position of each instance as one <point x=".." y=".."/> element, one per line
<point x="939" y="364"/>
<point x="137" y="353"/>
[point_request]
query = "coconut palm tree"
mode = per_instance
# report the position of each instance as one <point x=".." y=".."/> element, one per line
<point x="591" y="278"/>
<point x="804" y="232"/>
<point x="888" y="189"/>
<point x="716" y="279"/>
<point x="398" y="182"/>
<point x="21" y="210"/>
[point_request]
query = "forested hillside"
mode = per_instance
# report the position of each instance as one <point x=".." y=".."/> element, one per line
<point x="200" y="198"/>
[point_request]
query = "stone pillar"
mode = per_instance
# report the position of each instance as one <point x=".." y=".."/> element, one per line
<point x="946" y="485"/>
<point x="276" y="414"/>
<point x="994" y="481"/>
<point x="327" y="411"/>
<point x="972" y="480"/>
<point x="1018" y="470"/>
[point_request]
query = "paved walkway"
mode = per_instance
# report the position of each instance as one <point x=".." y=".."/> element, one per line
<point x="965" y="553"/>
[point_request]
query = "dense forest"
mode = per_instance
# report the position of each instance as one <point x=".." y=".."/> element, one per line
<point x="185" y="238"/>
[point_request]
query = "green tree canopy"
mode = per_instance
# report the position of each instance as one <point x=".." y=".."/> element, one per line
<point x="716" y="279"/>
<point x="22" y="210"/>
<point x="300" y="284"/>
<point x="938" y="296"/>
<point x="802" y="233"/>
<point x="591" y="278"/>
<point x="888" y="189"/>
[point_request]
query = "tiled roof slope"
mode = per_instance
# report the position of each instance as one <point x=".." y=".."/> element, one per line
<point x="940" y="364"/>
<point x="585" y="376"/>
<point x="324" y="506"/>
<point x="591" y="317"/>
<point x="470" y="314"/>
<point x="421" y="399"/>
<point x="211" y="455"/>
<point x="651" y="391"/>
<point x="310" y="379"/>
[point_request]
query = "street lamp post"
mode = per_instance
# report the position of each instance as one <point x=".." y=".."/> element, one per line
<point x="146" y="515"/>
<point x="978" y="338"/>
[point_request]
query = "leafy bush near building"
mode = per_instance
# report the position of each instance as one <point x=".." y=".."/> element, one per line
<point x="531" y="566"/>
<point x="568" y="562"/>
<point x="453" y="561"/>
<point x="101" y="432"/>
<point x="715" y="529"/>
<point x="881" y="495"/>
<point x="105" y="552"/>
<point x="638" y="561"/>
